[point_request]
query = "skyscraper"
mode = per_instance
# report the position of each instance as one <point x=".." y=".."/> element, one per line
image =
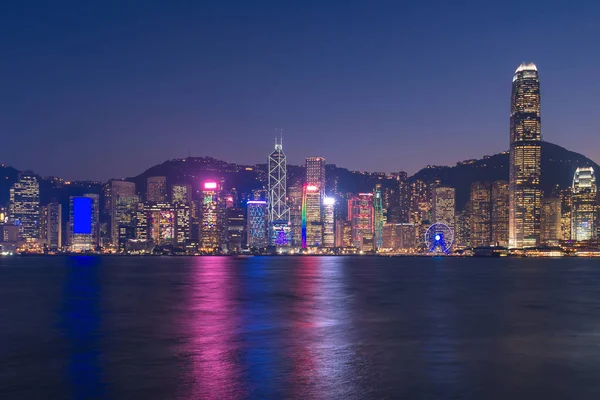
<point x="362" y="217"/>
<point x="583" y="212"/>
<point x="234" y="228"/>
<point x="443" y="202"/>
<point x="481" y="214"/>
<point x="209" y="231"/>
<point x="54" y="226"/>
<point x="156" y="189"/>
<point x="525" y="158"/>
<point x="257" y="226"/>
<point x="550" y="221"/>
<point x="25" y="206"/>
<point x="500" y="213"/>
<point x="117" y="189"/>
<point x="181" y="193"/>
<point x="83" y="222"/>
<point x="379" y="220"/>
<point x="279" y="213"/>
<point x="315" y="173"/>
<point x="329" y="222"/>
<point x="312" y="226"/>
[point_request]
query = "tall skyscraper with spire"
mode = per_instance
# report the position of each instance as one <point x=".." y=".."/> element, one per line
<point x="279" y="213"/>
<point x="525" y="158"/>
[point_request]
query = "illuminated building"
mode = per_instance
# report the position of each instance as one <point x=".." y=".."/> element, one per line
<point x="83" y="222"/>
<point x="156" y="189"/>
<point x="525" y="158"/>
<point x="235" y="229"/>
<point x="362" y="217"/>
<point x="399" y="207"/>
<point x="25" y="206"/>
<point x="117" y="189"/>
<point x="420" y="202"/>
<point x="343" y="233"/>
<point x="182" y="223"/>
<point x="500" y="199"/>
<point x="399" y="236"/>
<point x="209" y="231"/>
<point x="279" y="213"/>
<point x="443" y="202"/>
<point x="161" y="223"/>
<point x="378" y="216"/>
<point x="550" y="221"/>
<point x="181" y="193"/>
<point x="295" y="205"/>
<point x="315" y="173"/>
<point x="565" y="213"/>
<point x="480" y="220"/>
<point x="257" y="224"/>
<point x="124" y="215"/>
<point x="462" y="229"/>
<point x="141" y="223"/>
<point x="312" y="227"/>
<point x="53" y="226"/>
<point x="583" y="213"/>
<point x="329" y="222"/>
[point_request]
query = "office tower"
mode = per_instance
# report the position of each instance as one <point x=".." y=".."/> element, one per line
<point x="53" y="226"/>
<point x="462" y="229"/>
<point x="420" y="202"/>
<point x="565" y="213"/>
<point x="315" y="173"/>
<point x="362" y="217"/>
<point x="161" y="223"/>
<point x="584" y="200"/>
<point x="399" y="236"/>
<point x="257" y="226"/>
<point x="117" y="189"/>
<point x="339" y="233"/>
<point x="141" y="223"/>
<point x="329" y="222"/>
<point x="312" y="227"/>
<point x="378" y="215"/>
<point x="295" y="205"/>
<point x="84" y="214"/>
<point x="183" y="223"/>
<point x="443" y="202"/>
<point x="209" y="231"/>
<point x="181" y="193"/>
<point x="124" y="216"/>
<point x="481" y="214"/>
<point x="25" y="206"/>
<point x="235" y="229"/>
<point x="195" y="222"/>
<point x="500" y="213"/>
<point x="550" y="221"/>
<point x="399" y="202"/>
<point x="279" y="213"/>
<point x="156" y="189"/>
<point x="525" y="158"/>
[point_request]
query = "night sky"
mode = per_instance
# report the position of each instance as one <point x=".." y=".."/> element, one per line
<point x="101" y="89"/>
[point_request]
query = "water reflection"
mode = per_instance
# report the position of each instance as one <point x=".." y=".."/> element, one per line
<point x="80" y="323"/>
<point x="213" y="319"/>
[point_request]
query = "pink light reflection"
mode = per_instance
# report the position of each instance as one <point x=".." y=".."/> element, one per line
<point x="213" y="318"/>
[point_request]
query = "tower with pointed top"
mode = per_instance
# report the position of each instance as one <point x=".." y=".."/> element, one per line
<point x="525" y="158"/>
<point x="279" y="213"/>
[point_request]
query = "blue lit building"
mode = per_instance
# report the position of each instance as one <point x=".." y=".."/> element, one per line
<point x="83" y="222"/>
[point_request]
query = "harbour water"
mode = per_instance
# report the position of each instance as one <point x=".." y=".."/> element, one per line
<point x="299" y="328"/>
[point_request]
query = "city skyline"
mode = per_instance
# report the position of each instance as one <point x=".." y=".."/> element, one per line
<point x="362" y="85"/>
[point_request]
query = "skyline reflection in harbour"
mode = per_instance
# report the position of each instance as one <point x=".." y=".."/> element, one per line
<point x="299" y="327"/>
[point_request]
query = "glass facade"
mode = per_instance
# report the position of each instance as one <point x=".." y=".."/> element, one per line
<point x="583" y="212"/>
<point x="525" y="158"/>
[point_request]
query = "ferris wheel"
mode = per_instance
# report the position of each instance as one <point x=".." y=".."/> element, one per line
<point x="439" y="238"/>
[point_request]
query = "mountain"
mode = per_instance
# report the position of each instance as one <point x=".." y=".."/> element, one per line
<point x="558" y="168"/>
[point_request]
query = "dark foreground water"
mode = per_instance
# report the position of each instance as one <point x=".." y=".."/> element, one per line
<point x="302" y="328"/>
